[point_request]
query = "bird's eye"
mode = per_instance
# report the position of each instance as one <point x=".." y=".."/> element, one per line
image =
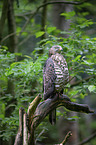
<point x="56" y="47"/>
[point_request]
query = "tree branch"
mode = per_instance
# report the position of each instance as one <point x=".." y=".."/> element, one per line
<point x="66" y="138"/>
<point x="82" y="81"/>
<point x="11" y="34"/>
<point x="32" y="107"/>
<point x="63" y="2"/>
<point x="49" y="3"/>
<point x="38" y="111"/>
<point x="88" y="139"/>
<point x="48" y="105"/>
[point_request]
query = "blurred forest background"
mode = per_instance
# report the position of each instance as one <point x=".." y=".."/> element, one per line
<point x="28" y="29"/>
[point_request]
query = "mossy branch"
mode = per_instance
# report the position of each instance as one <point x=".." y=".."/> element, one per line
<point x="48" y="105"/>
<point x="38" y="111"/>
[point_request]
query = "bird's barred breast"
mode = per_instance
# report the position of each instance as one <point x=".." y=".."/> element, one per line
<point x="61" y="71"/>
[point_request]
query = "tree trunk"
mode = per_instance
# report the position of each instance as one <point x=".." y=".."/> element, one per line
<point x="59" y="21"/>
<point x="43" y="19"/>
<point x="8" y="13"/>
<point x="43" y="23"/>
<point x="3" y="17"/>
<point x="12" y="46"/>
<point x="12" y="27"/>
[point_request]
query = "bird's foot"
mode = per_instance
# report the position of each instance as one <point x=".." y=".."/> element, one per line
<point x="55" y="97"/>
<point x="62" y="96"/>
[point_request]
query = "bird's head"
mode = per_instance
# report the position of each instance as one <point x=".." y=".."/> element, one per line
<point x="55" y="49"/>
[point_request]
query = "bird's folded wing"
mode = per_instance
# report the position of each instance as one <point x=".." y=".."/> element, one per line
<point x="49" y="77"/>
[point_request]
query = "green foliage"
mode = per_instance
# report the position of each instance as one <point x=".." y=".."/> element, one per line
<point x="79" y="54"/>
<point x="68" y="15"/>
<point x="39" y="34"/>
<point x="92" y="88"/>
<point x="78" y="49"/>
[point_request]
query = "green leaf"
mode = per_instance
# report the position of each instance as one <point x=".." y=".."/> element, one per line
<point x="18" y="29"/>
<point x="39" y="34"/>
<point x="77" y="58"/>
<point x="91" y="88"/>
<point x="68" y="15"/>
<point x="18" y="54"/>
<point x="24" y="33"/>
<point x="29" y="67"/>
<point x="94" y="38"/>
<point x="5" y="47"/>
<point x="50" y="29"/>
<point x="27" y="56"/>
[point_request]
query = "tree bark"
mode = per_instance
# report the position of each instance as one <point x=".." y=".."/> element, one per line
<point x="3" y="17"/>
<point x="45" y="107"/>
<point x="43" y="23"/>
<point x="25" y="132"/>
<point x="43" y="19"/>
<point x="19" y="136"/>
<point x="48" y="105"/>
<point x="12" y="46"/>
<point x="12" y="27"/>
<point x="38" y="111"/>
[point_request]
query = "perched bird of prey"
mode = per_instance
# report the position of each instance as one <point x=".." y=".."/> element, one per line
<point x="55" y="76"/>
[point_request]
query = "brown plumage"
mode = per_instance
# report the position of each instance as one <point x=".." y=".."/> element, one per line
<point x="55" y="76"/>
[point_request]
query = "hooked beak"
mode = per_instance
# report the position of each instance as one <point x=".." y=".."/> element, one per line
<point x="60" y="49"/>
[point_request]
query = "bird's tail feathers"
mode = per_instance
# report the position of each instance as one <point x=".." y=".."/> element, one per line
<point x="52" y="117"/>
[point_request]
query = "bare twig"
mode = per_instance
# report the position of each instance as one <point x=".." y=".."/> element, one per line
<point x="88" y="139"/>
<point x="28" y="20"/>
<point x="24" y="40"/>
<point x="25" y="130"/>
<point x="66" y="138"/>
<point x="82" y="81"/>
<point x="11" y="34"/>
<point x="40" y="134"/>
